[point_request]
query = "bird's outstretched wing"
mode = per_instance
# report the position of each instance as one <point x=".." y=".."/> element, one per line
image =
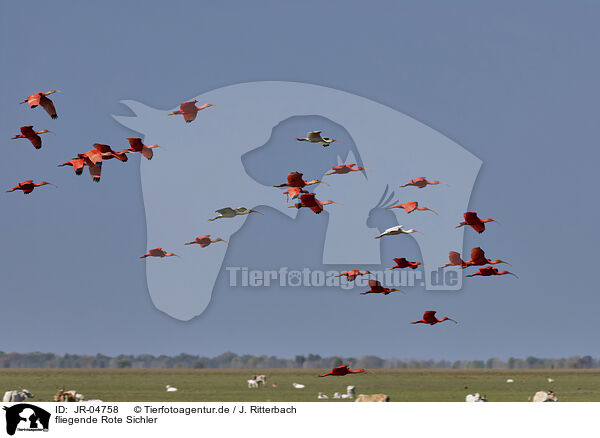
<point x="226" y="210"/>
<point x="294" y="179"/>
<point x="455" y="258"/>
<point x="470" y="216"/>
<point x="49" y="107"/>
<point x="429" y="315"/>
<point x="136" y="144"/>
<point x="477" y="254"/>
<point x="314" y="135"/>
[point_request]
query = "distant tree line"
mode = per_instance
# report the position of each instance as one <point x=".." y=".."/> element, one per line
<point x="232" y="360"/>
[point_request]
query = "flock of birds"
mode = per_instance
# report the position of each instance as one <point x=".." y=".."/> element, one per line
<point x="296" y="189"/>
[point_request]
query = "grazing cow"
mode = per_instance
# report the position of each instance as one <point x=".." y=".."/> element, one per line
<point x="475" y="398"/>
<point x="17" y="396"/>
<point x="252" y="383"/>
<point x="373" y="398"/>
<point x="262" y="379"/>
<point x="545" y="396"/>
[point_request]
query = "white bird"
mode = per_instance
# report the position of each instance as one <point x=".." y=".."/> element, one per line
<point x="550" y="379"/>
<point x="398" y="229"/>
<point x="315" y="137"/>
<point x="509" y="380"/>
<point x="297" y="385"/>
<point x="230" y="212"/>
<point x="170" y="388"/>
<point x="321" y="396"/>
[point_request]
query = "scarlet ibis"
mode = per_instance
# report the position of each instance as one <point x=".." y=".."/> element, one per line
<point x="429" y="318"/>
<point x="296" y="184"/>
<point x="76" y="163"/>
<point x="421" y="182"/>
<point x="315" y="137"/>
<point x="28" y="186"/>
<point x="31" y="135"/>
<point x="229" y="212"/>
<point x="137" y="146"/>
<point x="345" y="168"/>
<point x="472" y="220"/>
<point x="478" y="259"/>
<point x="455" y="260"/>
<point x="41" y="99"/>
<point x="398" y="229"/>
<point x="204" y="241"/>
<point x="403" y="263"/>
<point x="93" y="160"/>
<point x="108" y="153"/>
<point x="351" y="275"/>
<point x="309" y="200"/>
<point x="489" y="270"/>
<point x="377" y="288"/>
<point x="343" y="370"/>
<point x="158" y="252"/>
<point x="189" y="110"/>
<point x="409" y="207"/>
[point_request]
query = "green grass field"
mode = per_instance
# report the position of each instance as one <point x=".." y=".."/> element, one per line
<point x="230" y="385"/>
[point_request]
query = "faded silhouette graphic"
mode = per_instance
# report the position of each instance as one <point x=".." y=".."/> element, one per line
<point x="226" y="158"/>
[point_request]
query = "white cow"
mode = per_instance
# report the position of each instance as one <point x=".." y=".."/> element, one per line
<point x="252" y="383"/>
<point x="17" y="396"/>
<point x="545" y="396"/>
<point x="475" y="398"/>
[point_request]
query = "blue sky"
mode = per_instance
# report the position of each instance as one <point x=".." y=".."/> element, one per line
<point x="515" y="84"/>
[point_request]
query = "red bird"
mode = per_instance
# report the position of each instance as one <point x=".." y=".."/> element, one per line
<point x="108" y="153"/>
<point x="421" y="182"/>
<point x="189" y="110"/>
<point x="403" y="263"/>
<point x="296" y="184"/>
<point x="478" y="259"/>
<point x="41" y="99"/>
<point x="158" y="252"/>
<point x="489" y="270"/>
<point x="472" y="220"/>
<point x="455" y="260"/>
<point x="343" y="370"/>
<point x="429" y="318"/>
<point x="409" y="207"/>
<point x="351" y="275"/>
<point x="377" y="288"/>
<point x="308" y="200"/>
<point x="77" y="163"/>
<point x="28" y="186"/>
<point x="31" y="135"/>
<point x="137" y="146"/>
<point x="345" y="168"/>
<point x="93" y="160"/>
<point x="204" y="241"/>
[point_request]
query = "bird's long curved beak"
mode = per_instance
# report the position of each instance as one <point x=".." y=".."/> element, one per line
<point x="513" y="274"/>
<point x="398" y="290"/>
<point x="502" y="261"/>
<point x="335" y="202"/>
<point x="494" y="220"/>
<point x="254" y="211"/>
<point x="417" y="231"/>
<point x="433" y="211"/>
<point x="53" y="184"/>
<point x="51" y="132"/>
<point x="323" y="182"/>
<point x="450" y="319"/>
